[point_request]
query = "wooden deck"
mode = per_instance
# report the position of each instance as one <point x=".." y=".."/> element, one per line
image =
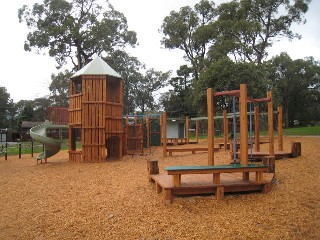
<point x="277" y="154"/>
<point x="197" y="184"/>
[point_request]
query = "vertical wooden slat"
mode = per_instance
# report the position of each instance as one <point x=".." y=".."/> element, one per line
<point x="225" y="130"/>
<point x="243" y="125"/>
<point x="256" y="129"/>
<point x="280" y="132"/>
<point x="197" y="130"/>
<point x="210" y="109"/>
<point x="270" y="124"/>
<point x="187" y="129"/>
<point x="164" y="133"/>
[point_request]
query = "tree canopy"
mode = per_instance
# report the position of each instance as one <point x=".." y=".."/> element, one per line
<point x="75" y="30"/>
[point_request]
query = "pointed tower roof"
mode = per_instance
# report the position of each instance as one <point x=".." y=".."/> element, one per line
<point x="97" y="67"/>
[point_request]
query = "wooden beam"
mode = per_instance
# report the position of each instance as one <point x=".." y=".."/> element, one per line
<point x="210" y="109"/>
<point x="280" y="132"/>
<point x="164" y="133"/>
<point x="232" y="93"/>
<point x="187" y="129"/>
<point x="256" y="130"/>
<point x="270" y="125"/>
<point x="225" y="130"/>
<point x="197" y="130"/>
<point x="243" y="125"/>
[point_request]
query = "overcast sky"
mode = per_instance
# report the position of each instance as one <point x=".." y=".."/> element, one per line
<point x="26" y="75"/>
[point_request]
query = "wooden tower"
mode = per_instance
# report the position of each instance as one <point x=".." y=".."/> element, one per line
<point x="95" y="113"/>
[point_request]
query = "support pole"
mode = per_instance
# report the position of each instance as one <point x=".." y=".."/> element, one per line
<point x="19" y="146"/>
<point x="210" y="109"/>
<point x="164" y="133"/>
<point x="187" y="129"/>
<point x="6" y="152"/>
<point x="270" y="124"/>
<point x="225" y="130"/>
<point x="234" y="130"/>
<point x="243" y="125"/>
<point x="256" y="130"/>
<point x="280" y="132"/>
<point x="197" y="131"/>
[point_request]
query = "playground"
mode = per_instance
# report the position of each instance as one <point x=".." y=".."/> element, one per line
<point x="111" y="200"/>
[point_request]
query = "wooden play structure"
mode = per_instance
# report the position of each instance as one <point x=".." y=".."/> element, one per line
<point x="178" y="140"/>
<point x="141" y="132"/>
<point x="236" y="177"/>
<point x="96" y="103"/>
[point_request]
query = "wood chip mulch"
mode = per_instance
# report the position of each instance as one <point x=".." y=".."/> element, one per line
<point x="114" y="200"/>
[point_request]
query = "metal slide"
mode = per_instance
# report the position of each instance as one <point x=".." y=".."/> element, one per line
<point x="51" y="146"/>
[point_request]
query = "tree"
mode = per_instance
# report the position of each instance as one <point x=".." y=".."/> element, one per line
<point x="224" y="75"/>
<point x="6" y="107"/>
<point x="59" y="88"/>
<point x="189" y="31"/>
<point x="296" y="87"/>
<point x="182" y="93"/>
<point x="129" y="68"/>
<point x="171" y="103"/>
<point x="75" y="30"/>
<point x="149" y="83"/>
<point x="247" y="28"/>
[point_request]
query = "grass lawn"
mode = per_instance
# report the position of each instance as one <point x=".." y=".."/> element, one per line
<point x="314" y="130"/>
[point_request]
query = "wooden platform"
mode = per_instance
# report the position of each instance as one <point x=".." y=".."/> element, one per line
<point x="192" y="150"/>
<point x="198" y="184"/>
<point x="277" y="154"/>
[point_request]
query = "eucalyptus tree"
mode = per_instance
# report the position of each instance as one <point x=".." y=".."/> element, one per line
<point x="59" y="89"/>
<point x="6" y="107"/>
<point x="296" y="87"/>
<point x="150" y="82"/>
<point x="246" y="29"/>
<point x="130" y="69"/>
<point x="188" y="30"/>
<point x="75" y="30"/>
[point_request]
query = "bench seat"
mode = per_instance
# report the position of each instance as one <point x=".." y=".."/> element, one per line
<point x="177" y="171"/>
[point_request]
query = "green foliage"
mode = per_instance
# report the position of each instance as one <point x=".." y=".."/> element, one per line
<point x="296" y="86"/>
<point x="224" y="75"/>
<point x="77" y="30"/>
<point x="6" y="108"/>
<point x="150" y="82"/>
<point x="246" y="29"/>
<point x="130" y="69"/>
<point x="59" y="88"/>
<point x="188" y="30"/>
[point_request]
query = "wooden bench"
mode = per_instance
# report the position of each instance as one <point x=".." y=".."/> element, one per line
<point x="192" y="150"/>
<point x="177" y="171"/>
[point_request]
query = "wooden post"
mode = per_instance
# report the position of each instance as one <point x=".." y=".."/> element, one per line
<point x="225" y="130"/>
<point x="19" y="145"/>
<point x="270" y="161"/>
<point x="243" y="125"/>
<point x="32" y="147"/>
<point x="153" y="168"/>
<point x="6" y="152"/>
<point x="270" y="124"/>
<point x="280" y="132"/>
<point x="256" y="130"/>
<point x="197" y="131"/>
<point x="210" y="109"/>
<point x="148" y="130"/>
<point x="295" y="149"/>
<point x="135" y="118"/>
<point x="164" y="133"/>
<point x="187" y="129"/>
<point x="244" y="128"/>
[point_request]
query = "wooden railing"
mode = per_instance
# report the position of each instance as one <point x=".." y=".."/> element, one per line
<point x="75" y="109"/>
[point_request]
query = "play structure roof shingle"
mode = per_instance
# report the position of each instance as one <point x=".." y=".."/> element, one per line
<point x="97" y="67"/>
